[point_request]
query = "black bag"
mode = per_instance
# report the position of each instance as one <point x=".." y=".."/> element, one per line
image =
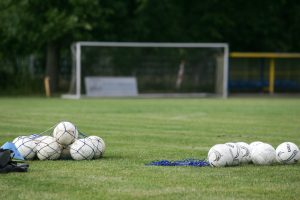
<point x="7" y="165"/>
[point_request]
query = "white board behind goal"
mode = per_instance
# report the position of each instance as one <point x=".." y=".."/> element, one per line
<point x="110" y="86"/>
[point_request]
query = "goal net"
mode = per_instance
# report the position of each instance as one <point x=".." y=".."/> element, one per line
<point x="156" y="68"/>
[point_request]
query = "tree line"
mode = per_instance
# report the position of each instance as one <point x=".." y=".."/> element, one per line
<point x="47" y="28"/>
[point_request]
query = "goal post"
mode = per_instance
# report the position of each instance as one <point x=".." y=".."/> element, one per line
<point x="186" y="68"/>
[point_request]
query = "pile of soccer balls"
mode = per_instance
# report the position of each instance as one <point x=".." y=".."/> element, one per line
<point x="259" y="153"/>
<point x="63" y="143"/>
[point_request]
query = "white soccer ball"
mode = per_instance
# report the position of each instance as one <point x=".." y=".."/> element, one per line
<point x="82" y="149"/>
<point x="103" y="144"/>
<point x="26" y="146"/>
<point x="212" y="148"/>
<point x="99" y="146"/>
<point x="38" y="139"/>
<point x="245" y="152"/>
<point x="18" y="138"/>
<point x="253" y="144"/>
<point x="287" y="153"/>
<point x="220" y="156"/>
<point x="235" y="152"/>
<point x="263" y="154"/>
<point x="65" y="133"/>
<point x="48" y="148"/>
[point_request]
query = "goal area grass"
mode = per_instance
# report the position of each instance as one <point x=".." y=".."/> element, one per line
<point x="138" y="131"/>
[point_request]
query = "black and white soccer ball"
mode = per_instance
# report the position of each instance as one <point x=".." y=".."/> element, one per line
<point x="98" y="145"/>
<point x="48" y="148"/>
<point x="287" y="153"/>
<point x="65" y="133"/>
<point x="82" y="149"/>
<point x="220" y="156"/>
<point x="26" y="146"/>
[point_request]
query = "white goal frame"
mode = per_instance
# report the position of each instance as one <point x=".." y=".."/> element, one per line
<point x="77" y="47"/>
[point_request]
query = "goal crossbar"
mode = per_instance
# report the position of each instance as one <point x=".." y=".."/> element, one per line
<point x="153" y="44"/>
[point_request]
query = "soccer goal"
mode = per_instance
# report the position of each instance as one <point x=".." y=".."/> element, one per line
<point x="149" y="68"/>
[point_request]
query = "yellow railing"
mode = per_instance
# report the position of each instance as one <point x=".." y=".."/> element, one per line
<point x="272" y="57"/>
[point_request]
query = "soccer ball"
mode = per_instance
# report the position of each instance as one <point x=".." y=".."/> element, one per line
<point x="82" y="149"/>
<point x="263" y="154"/>
<point x="287" y="153"/>
<point x="65" y="133"/>
<point x="48" y="148"/>
<point x="18" y="138"/>
<point x="253" y="144"/>
<point x="245" y="152"/>
<point x="65" y="152"/>
<point x="212" y="148"/>
<point x="103" y="144"/>
<point x="38" y="139"/>
<point x="26" y="146"/>
<point x="34" y="136"/>
<point x="235" y="152"/>
<point x="99" y="146"/>
<point x="220" y="156"/>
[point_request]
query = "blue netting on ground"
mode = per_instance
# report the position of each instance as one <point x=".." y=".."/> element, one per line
<point x="186" y="162"/>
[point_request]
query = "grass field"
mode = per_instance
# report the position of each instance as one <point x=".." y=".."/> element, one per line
<point x="138" y="131"/>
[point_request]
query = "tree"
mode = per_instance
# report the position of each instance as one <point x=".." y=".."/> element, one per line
<point x="31" y="25"/>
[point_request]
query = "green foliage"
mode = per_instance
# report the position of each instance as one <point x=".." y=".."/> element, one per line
<point x="28" y="26"/>
<point x="36" y="23"/>
<point x="247" y="26"/>
<point x="138" y="131"/>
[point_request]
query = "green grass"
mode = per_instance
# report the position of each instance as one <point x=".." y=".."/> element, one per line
<point x="138" y="131"/>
